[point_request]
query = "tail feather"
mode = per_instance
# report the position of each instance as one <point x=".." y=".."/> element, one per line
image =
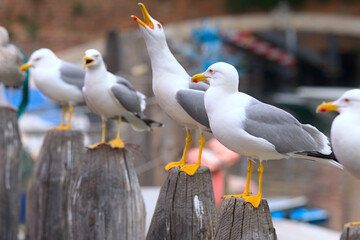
<point x="318" y="157"/>
<point x="141" y="124"/>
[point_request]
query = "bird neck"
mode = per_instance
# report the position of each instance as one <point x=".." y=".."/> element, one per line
<point x="98" y="73"/>
<point x="162" y="60"/>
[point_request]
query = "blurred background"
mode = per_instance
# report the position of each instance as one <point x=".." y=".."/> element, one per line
<point x="292" y="54"/>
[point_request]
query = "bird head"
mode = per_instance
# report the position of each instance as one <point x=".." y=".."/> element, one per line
<point x="220" y="74"/>
<point x="349" y="101"/>
<point x="92" y="59"/>
<point x="151" y="29"/>
<point x="41" y="58"/>
<point x="4" y="36"/>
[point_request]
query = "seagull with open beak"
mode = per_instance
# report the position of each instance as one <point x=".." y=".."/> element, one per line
<point x="112" y="96"/>
<point x="345" y="129"/>
<point x="173" y="90"/>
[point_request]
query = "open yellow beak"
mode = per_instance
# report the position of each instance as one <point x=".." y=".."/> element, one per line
<point x="327" y="107"/>
<point x="147" y="19"/>
<point x="87" y="62"/>
<point x="25" y="66"/>
<point x="199" y="78"/>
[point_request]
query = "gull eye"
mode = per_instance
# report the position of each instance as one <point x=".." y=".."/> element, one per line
<point x="159" y="25"/>
<point x="211" y="71"/>
<point x="96" y="55"/>
<point x="37" y="59"/>
<point x="347" y="100"/>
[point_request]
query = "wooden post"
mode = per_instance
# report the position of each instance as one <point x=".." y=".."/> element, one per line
<point x="106" y="198"/>
<point x="185" y="208"/>
<point x="351" y="231"/>
<point x="48" y="210"/>
<point x="10" y="173"/>
<point x="240" y="220"/>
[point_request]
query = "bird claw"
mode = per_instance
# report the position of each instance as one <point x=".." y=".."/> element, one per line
<point x="189" y="169"/>
<point x="116" y="143"/>
<point x="254" y="200"/>
<point x="174" y="164"/>
<point x="96" y="145"/>
<point x="61" y="128"/>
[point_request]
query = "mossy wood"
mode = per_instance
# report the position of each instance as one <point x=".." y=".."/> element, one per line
<point x="106" y="198"/>
<point x="240" y="220"/>
<point x="10" y="173"/>
<point x="185" y="208"/>
<point x="48" y="213"/>
<point x="351" y="231"/>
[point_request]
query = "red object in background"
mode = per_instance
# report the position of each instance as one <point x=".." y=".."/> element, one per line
<point x="248" y="41"/>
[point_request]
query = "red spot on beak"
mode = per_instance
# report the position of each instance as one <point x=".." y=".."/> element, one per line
<point x="135" y="18"/>
<point x="195" y="80"/>
<point x="322" y="110"/>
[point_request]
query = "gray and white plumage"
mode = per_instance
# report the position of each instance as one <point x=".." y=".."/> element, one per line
<point x="255" y="129"/>
<point x="11" y="59"/>
<point x="111" y="96"/>
<point x="345" y="129"/>
<point x="57" y="79"/>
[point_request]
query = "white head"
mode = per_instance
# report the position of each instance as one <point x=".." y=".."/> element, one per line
<point x="220" y="74"/>
<point x="152" y="30"/>
<point x="4" y="36"/>
<point x="93" y="59"/>
<point x="42" y="58"/>
<point x="348" y="102"/>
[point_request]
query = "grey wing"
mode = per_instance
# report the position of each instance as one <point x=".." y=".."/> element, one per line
<point x="199" y="86"/>
<point x="72" y="74"/>
<point x="281" y="129"/>
<point x="192" y="101"/>
<point x="126" y="95"/>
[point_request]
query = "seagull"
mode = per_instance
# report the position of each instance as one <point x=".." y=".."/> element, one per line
<point x="59" y="80"/>
<point x="172" y="86"/>
<point x="11" y="59"/>
<point x="111" y="96"/>
<point x="345" y="129"/>
<point x="257" y="130"/>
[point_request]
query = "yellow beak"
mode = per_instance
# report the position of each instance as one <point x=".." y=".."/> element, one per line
<point x="25" y="66"/>
<point x="87" y="62"/>
<point x="147" y="19"/>
<point x="199" y="78"/>
<point x="327" y="107"/>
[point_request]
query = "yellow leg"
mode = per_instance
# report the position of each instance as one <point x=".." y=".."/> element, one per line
<point x="255" y="200"/>
<point x="103" y="142"/>
<point x="191" y="169"/>
<point x="117" y="142"/>
<point x="247" y="187"/>
<point x="183" y="158"/>
<point x="62" y="126"/>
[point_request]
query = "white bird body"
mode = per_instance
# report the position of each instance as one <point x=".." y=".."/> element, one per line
<point x="100" y="81"/>
<point x="222" y="121"/>
<point x="11" y="59"/>
<point x="47" y="80"/>
<point x="345" y="130"/>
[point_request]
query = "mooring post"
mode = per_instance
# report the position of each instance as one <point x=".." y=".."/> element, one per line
<point x="48" y="210"/>
<point x="185" y="208"/>
<point x="240" y="220"/>
<point x="106" y="199"/>
<point x="10" y="173"/>
<point x="351" y="231"/>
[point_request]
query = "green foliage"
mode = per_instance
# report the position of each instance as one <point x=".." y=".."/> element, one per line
<point x="78" y="9"/>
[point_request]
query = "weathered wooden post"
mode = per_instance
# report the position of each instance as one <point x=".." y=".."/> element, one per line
<point x="240" y="220"/>
<point x="48" y="210"/>
<point x="106" y="198"/>
<point x="351" y="231"/>
<point x="185" y="208"/>
<point x="10" y="173"/>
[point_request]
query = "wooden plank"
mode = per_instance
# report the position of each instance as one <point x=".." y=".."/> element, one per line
<point x="185" y="208"/>
<point x="351" y="231"/>
<point x="48" y="210"/>
<point x="106" y="198"/>
<point x="240" y="220"/>
<point x="10" y="173"/>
